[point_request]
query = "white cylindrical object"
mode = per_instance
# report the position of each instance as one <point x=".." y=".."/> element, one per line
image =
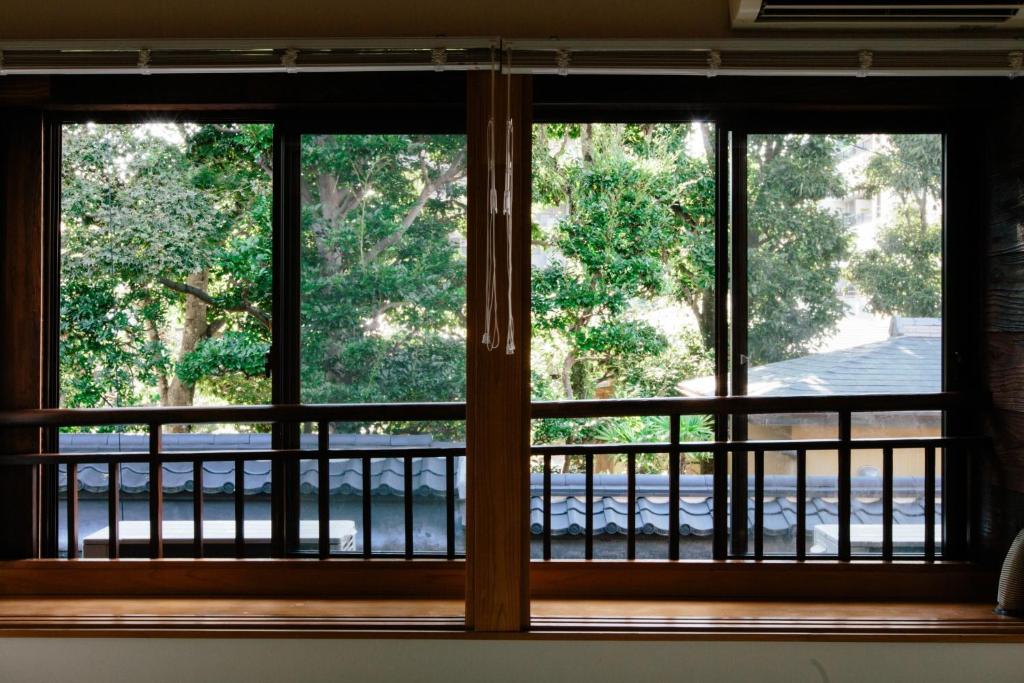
<point x="1010" y="596"/>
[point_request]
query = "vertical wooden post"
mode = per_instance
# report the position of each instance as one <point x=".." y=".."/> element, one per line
<point x="498" y="387"/>
<point x="21" y="303"/>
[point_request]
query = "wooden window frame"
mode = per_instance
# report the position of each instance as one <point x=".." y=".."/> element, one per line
<point x="497" y="580"/>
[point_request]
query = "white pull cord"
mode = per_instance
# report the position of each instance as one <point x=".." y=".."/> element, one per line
<point x="510" y="333"/>
<point x="492" y="335"/>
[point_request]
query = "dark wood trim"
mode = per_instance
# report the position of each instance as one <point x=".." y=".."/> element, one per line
<point x="555" y="620"/>
<point x="839" y="103"/>
<point x="498" y="384"/>
<point x="253" y="578"/>
<point x="22" y="150"/>
<point x="738" y="359"/>
<point x="386" y="101"/>
<point x="292" y="411"/>
<point x="761" y="580"/>
<point x="52" y="178"/>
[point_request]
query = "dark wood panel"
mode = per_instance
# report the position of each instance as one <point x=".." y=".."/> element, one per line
<point x="998" y="492"/>
<point x="21" y="346"/>
<point x="658" y="96"/>
<point x="498" y="388"/>
<point x="766" y="580"/>
<point x="1006" y="370"/>
<point x="270" y="578"/>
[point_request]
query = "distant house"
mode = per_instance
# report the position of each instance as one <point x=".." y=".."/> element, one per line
<point x="909" y="361"/>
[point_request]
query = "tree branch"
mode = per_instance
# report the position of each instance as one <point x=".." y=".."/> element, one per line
<point x="244" y="307"/>
<point x="429" y="188"/>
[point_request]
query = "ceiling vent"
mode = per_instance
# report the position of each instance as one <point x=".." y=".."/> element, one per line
<point x="1007" y="14"/>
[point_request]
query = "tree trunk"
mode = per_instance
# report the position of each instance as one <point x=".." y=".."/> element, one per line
<point x="587" y="143"/>
<point x="706" y="318"/>
<point x="193" y="330"/>
<point x="570" y="360"/>
<point x="161" y="383"/>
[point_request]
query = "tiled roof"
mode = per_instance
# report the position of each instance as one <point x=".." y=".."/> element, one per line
<point x="386" y="474"/>
<point x="568" y="507"/>
<point x="910" y="362"/>
<point x="568" y="504"/>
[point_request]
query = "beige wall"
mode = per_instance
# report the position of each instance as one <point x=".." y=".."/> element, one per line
<point x="906" y="463"/>
<point x="176" y="19"/>
<point x="495" y="661"/>
<point x="34" y="19"/>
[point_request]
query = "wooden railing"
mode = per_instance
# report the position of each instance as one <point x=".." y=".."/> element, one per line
<point x="727" y="514"/>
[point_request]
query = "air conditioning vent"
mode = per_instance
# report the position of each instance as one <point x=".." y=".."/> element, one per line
<point x="879" y="13"/>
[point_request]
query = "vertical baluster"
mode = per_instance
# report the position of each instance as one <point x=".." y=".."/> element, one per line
<point x="887" y="484"/>
<point x="72" y="531"/>
<point x="239" y="507"/>
<point x="721" y="505"/>
<point x="759" y="504"/>
<point x="114" y="510"/>
<point x="407" y="501"/>
<point x="156" y="492"/>
<point x="673" y="489"/>
<point x="323" y="493"/>
<point x="720" y="496"/>
<point x="449" y="499"/>
<point x="740" y="495"/>
<point x="801" y="504"/>
<point x="844" y="485"/>
<point x="631" y="508"/>
<point x="547" y="507"/>
<point x="197" y="508"/>
<point x="367" y="509"/>
<point x="929" y="503"/>
<point x="589" y="554"/>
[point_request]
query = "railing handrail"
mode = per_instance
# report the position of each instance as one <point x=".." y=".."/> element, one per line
<point x="357" y="412"/>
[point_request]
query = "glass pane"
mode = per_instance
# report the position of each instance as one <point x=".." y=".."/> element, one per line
<point x="623" y="306"/>
<point x="387" y="487"/>
<point x="844" y="284"/>
<point x="165" y="280"/>
<point x="383" y="268"/>
<point x="844" y="264"/>
<point x="623" y="259"/>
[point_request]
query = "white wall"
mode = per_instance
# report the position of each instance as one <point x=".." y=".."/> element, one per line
<point x="492" y="661"/>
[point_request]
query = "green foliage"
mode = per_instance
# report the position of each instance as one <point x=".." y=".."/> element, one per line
<point x="911" y="166"/>
<point x="144" y="208"/>
<point x="624" y="237"/>
<point x="903" y="274"/>
<point x="383" y="274"/>
<point x="796" y="248"/>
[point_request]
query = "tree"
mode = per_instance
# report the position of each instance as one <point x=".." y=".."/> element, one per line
<point x="911" y="167"/>
<point x="165" y="263"/>
<point x="383" y="273"/>
<point x="795" y="247"/>
<point x="166" y="267"/>
<point x="902" y="275"/>
<point x="622" y="227"/>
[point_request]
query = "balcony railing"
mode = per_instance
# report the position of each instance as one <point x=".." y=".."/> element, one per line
<point x="728" y="514"/>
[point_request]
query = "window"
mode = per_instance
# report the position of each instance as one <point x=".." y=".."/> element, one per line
<point x="843" y="309"/>
<point x="383" y="320"/>
<point x="623" y="261"/>
<point x="165" y="300"/>
<point x="701" y="284"/>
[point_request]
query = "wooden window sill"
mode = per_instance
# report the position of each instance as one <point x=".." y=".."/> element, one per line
<point x="551" y="619"/>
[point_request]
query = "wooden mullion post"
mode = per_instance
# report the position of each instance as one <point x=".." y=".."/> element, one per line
<point x="21" y="345"/>
<point x="498" y="387"/>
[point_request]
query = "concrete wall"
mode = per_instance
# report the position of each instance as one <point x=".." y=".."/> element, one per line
<point x="27" y="660"/>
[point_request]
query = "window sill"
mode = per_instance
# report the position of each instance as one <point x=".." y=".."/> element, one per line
<point x="28" y="616"/>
